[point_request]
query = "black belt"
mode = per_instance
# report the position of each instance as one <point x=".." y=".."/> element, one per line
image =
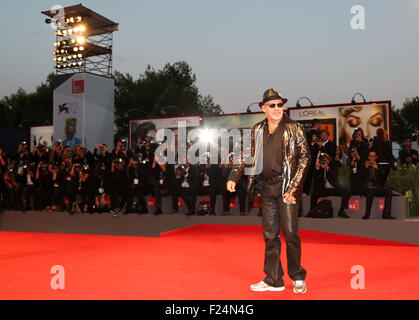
<point x="273" y="180"/>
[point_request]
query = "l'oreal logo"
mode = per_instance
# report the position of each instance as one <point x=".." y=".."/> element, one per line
<point x="312" y="113"/>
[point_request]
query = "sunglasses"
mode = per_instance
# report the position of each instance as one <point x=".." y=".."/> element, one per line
<point x="279" y="105"/>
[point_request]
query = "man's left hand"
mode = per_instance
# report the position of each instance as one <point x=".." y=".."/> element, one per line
<point x="289" y="198"/>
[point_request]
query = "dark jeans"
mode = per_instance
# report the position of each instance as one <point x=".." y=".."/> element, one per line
<point x="277" y="214"/>
<point x="326" y="192"/>
<point x="371" y="193"/>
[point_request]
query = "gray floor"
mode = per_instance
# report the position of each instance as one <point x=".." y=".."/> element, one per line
<point x="152" y="226"/>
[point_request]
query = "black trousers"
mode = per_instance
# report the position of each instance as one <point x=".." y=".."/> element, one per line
<point x="371" y="193"/>
<point x="326" y="192"/>
<point x="276" y="215"/>
<point x="140" y="192"/>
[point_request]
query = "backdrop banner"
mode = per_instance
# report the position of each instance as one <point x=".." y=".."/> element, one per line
<point x="41" y="135"/>
<point x="84" y="109"/>
<point x="342" y="120"/>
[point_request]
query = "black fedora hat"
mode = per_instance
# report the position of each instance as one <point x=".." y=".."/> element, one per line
<point x="271" y="94"/>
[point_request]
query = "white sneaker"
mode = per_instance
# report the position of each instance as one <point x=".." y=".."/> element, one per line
<point x="262" y="286"/>
<point x="300" y="287"/>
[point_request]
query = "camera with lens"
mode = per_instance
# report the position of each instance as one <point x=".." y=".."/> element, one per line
<point x="356" y="134"/>
<point x="119" y="163"/>
<point x="25" y="145"/>
<point x="323" y="159"/>
<point x="353" y="146"/>
<point x="124" y="144"/>
<point x="54" y="166"/>
<point x="182" y="170"/>
<point x="318" y="137"/>
<point x="85" y="168"/>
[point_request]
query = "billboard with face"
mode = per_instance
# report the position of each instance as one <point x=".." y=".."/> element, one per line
<point x="342" y="120"/>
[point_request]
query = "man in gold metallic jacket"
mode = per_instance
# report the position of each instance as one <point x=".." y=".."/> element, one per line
<point x="277" y="161"/>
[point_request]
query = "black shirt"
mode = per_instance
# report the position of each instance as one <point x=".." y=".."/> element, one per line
<point x="272" y="150"/>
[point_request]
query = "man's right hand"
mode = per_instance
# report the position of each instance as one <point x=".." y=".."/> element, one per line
<point x="231" y="186"/>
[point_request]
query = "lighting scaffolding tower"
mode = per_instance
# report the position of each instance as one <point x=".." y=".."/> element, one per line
<point x="83" y="40"/>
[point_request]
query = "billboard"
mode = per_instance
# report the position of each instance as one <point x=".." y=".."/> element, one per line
<point x="83" y="109"/>
<point x="148" y="127"/>
<point x="41" y="135"/>
<point x="341" y="120"/>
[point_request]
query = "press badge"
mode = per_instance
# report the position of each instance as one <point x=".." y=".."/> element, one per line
<point x="161" y="181"/>
<point x="101" y="190"/>
<point x="136" y="181"/>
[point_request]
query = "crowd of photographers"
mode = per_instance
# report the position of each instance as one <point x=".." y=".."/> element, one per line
<point x="77" y="180"/>
<point x="370" y="161"/>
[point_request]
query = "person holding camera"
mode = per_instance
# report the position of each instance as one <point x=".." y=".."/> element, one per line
<point x="88" y="187"/>
<point x="69" y="182"/>
<point x="357" y="154"/>
<point x="119" y="185"/>
<point x="325" y="180"/>
<point x="12" y="187"/>
<point x="122" y="152"/>
<point x="56" y="154"/>
<point x="3" y="169"/>
<point x="22" y="155"/>
<point x="408" y="155"/>
<point x="384" y="151"/>
<point x="139" y="184"/>
<point x="27" y="182"/>
<point x="43" y="186"/>
<point x="186" y="176"/>
<point x="315" y="143"/>
<point x="161" y="178"/>
<point x="373" y="185"/>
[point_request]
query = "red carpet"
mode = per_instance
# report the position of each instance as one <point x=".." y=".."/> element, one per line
<point x="206" y="262"/>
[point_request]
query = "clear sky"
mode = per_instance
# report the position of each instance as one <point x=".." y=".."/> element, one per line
<point x="238" y="48"/>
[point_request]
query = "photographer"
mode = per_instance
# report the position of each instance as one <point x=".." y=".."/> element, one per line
<point x="40" y="153"/>
<point x="103" y="169"/>
<point x="83" y="156"/>
<point x="56" y="190"/>
<point x="161" y="178"/>
<point x="122" y="152"/>
<point x="385" y="157"/>
<point x="69" y="182"/>
<point x="22" y="155"/>
<point x="119" y="185"/>
<point x="373" y="185"/>
<point x="27" y="182"/>
<point x="325" y="179"/>
<point x="43" y="188"/>
<point x="206" y="184"/>
<point x="408" y="155"/>
<point x="88" y="187"/>
<point x="3" y="169"/>
<point x="139" y="184"/>
<point x="327" y="146"/>
<point x="315" y="141"/>
<point x="186" y="178"/>
<point x="12" y="186"/>
<point x="358" y="150"/>
<point x="57" y="152"/>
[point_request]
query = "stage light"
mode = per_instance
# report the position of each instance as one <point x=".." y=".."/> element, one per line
<point x="74" y="56"/>
<point x="81" y="40"/>
<point x="81" y="48"/>
<point x="73" y="41"/>
<point x="76" y="49"/>
<point x="54" y="53"/>
<point x="55" y="59"/>
<point x="80" y="56"/>
<point x="60" y="59"/>
<point x="298" y="102"/>
<point x="74" y="64"/>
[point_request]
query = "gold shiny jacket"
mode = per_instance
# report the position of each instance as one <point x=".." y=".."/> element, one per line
<point x="295" y="154"/>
